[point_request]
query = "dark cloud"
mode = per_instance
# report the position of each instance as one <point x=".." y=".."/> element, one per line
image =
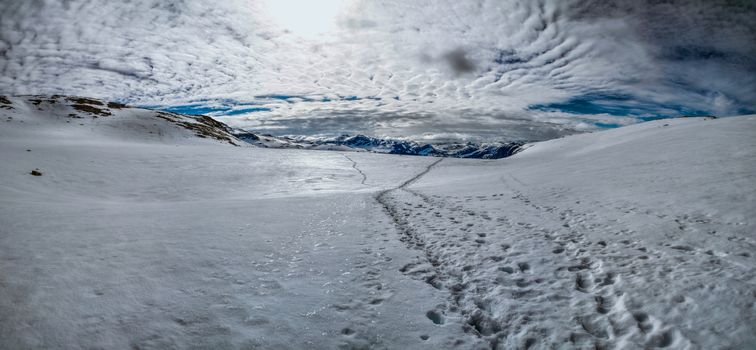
<point x="459" y="62"/>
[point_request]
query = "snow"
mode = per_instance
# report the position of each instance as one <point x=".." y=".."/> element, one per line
<point x="139" y="234"/>
<point x="632" y="238"/>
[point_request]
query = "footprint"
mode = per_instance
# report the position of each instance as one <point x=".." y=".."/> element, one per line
<point x="611" y="278"/>
<point x="662" y="340"/>
<point x="603" y="305"/>
<point x="582" y="283"/>
<point x="585" y="264"/>
<point x="407" y="267"/>
<point x="482" y="324"/>
<point x="524" y="267"/>
<point x="594" y="327"/>
<point x="580" y="338"/>
<point x="435" y="317"/>
<point x="643" y="322"/>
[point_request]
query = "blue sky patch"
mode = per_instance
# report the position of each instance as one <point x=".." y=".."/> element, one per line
<point x="621" y="105"/>
<point x="247" y="110"/>
<point x="195" y="109"/>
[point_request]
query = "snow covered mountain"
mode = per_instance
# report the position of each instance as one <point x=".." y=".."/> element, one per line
<point x="128" y="228"/>
<point x="389" y="146"/>
<point x="118" y="120"/>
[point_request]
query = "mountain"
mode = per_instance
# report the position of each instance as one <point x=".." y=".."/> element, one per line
<point x="118" y="120"/>
<point x="388" y="146"/>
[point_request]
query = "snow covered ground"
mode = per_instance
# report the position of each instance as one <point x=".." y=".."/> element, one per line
<point x="141" y="235"/>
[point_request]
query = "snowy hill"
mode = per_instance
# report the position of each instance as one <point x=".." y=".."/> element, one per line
<point x="150" y="230"/>
<point x="643" y="236"/>
<point x="91" y="118"/>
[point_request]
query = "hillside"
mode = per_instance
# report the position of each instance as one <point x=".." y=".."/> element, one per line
<point x="150" y="230"/>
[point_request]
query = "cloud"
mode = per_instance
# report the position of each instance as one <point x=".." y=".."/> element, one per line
<point x="458" y="61"/>
<point x="407" y="67"/>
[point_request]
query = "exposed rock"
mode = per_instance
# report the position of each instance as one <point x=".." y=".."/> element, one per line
<point x="116" y="105"/>
<point x="5" y="103"/>
<point x="84" y="101"/>
<point x="91" y="109"/>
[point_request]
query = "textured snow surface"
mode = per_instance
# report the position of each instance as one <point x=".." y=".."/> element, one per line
<point x="638" y="237"/>
<point x="140" y="235"/>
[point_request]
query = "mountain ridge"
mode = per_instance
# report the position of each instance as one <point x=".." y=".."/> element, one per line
<point x="203" y="126"/>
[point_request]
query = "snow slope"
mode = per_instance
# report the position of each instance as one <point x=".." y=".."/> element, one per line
<point x="637" y="237"/>
<point x="139" y="234"/>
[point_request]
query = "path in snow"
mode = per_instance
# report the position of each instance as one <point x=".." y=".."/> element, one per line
<point x="141" y="235"/>
<point x="355" y="167"/>
<point x="528" y="259"/>
<point x="519" y="273"/>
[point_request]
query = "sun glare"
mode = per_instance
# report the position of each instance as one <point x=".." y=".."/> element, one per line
<point x="306" y="18"/>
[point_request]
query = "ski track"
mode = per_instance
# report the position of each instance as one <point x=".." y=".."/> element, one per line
<point x="354" y="165"/>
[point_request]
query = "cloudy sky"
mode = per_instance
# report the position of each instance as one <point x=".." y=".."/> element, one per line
<point x="507" y="69"/>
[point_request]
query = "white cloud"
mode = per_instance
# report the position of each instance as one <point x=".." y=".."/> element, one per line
<point x="462" y="62"/>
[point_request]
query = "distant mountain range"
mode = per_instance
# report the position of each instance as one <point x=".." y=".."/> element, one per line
<point x="493" y="150"/>
<point x="74" y="107"/>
